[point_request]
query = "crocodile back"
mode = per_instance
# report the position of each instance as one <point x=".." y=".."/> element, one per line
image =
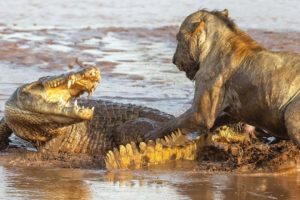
<point x="116" y="123"/>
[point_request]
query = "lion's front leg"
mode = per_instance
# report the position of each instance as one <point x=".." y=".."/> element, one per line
<point x="187" y="121"/>
<point x="208" y="102"/>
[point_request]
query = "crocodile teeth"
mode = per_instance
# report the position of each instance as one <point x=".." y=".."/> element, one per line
<point x="69" y="83"/>
<point x="61" y="82"/>
<point x="93" y="89"/>
<point x="93" y="108"/>
<point x="75" y="103"/>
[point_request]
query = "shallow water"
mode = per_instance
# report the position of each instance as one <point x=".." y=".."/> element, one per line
<point x="132" y="42"/>
<point x="41" y="183"/>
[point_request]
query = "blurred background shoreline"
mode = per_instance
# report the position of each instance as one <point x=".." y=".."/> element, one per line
<point x="279" y="15"/>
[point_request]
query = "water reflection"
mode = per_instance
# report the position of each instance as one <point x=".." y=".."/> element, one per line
<point x="34" y="183"/>
<point x="38" y="183"/>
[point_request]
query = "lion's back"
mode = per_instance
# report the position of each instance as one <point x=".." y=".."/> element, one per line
<point x="275" y="75"/>
<point x="264" y="86"/>
<point x="280" y="76"/>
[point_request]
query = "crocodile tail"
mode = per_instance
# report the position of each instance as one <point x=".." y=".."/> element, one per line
<point x="176" y="146"/>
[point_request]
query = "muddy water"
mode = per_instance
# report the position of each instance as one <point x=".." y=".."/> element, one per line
<point x="179" y="183"/>
<point x="132" y="42"/>
<point x="98" y="184"/>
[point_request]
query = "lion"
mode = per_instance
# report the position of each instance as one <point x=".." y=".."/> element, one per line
<point x="235" y="75"/>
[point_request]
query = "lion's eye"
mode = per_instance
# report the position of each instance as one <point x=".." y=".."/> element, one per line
<point x="187" y="37"/>
<point x="182" y="36"/>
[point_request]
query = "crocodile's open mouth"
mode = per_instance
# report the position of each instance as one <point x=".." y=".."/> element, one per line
<point x="57" y="95"/>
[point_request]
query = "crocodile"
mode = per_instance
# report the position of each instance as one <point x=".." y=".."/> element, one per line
<point x="50" y="115"/>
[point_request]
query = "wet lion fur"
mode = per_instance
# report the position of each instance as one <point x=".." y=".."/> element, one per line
<point x="236" y="75"/>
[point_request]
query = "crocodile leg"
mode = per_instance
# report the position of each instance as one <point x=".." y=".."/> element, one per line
<point x="234" y="133"/>
<point x="230" y="130"/>
<point x="5" y="132"/>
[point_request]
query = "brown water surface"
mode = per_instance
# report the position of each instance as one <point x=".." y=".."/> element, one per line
<point x="132" y="42"/>
<point x="179" y="183"/>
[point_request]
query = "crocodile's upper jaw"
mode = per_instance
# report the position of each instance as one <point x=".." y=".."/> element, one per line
<point x="56" y="95"/>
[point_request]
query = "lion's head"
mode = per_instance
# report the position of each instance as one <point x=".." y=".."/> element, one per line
<point x="191" y="37"/>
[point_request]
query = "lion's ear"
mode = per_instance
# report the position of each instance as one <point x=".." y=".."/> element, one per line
<point x="200" y="28"/>
<point x="225" y="12"/>
<point x="200" y="32"/>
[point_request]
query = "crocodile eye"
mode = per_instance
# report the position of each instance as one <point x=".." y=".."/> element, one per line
<point x="43" y="78"/>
